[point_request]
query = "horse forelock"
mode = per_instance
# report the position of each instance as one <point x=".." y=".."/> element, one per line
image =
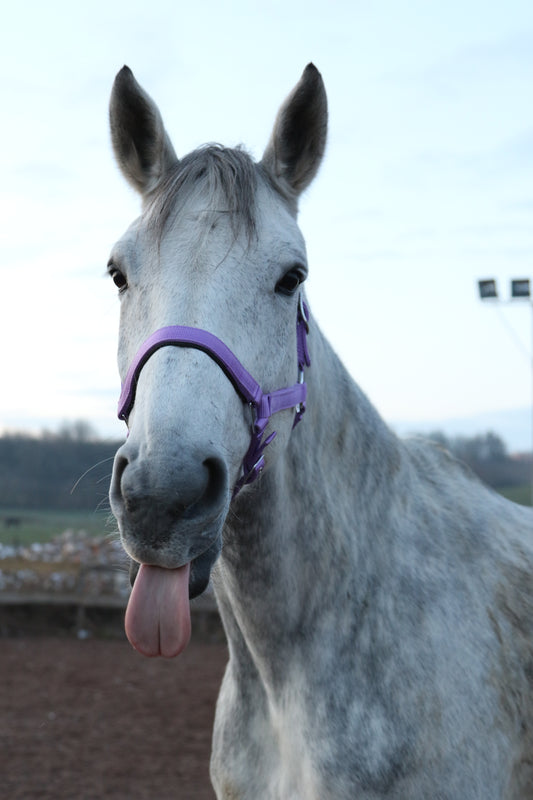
<point x="226" y="177"/>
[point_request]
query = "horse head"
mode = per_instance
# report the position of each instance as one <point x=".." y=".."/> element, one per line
<point x="216" y="249"/>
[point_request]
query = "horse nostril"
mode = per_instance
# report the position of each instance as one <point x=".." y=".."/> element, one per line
<point x="169" y="510"/>
<point x="119" y="467"/>
<point x="217" y="483"/>
<point x="179" y="489"/>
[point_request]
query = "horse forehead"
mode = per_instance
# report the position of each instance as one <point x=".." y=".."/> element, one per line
<point x="131" y="249"/>
<point x="272" y="211"/>
<point x="207" y="237"/>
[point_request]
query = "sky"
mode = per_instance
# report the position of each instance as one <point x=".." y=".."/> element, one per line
<point x="426" y="187"/>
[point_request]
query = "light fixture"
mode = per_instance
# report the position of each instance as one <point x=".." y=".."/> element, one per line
<point x="487" y="289"/>
<point x="520" y="288"/>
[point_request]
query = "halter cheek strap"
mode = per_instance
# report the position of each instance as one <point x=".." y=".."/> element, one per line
<point x="263" y="404"/>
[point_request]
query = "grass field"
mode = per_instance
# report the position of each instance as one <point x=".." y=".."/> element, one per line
<point x="25" y="527"/>
<point x="518" y="494"/>
<point x="18" y="527"/>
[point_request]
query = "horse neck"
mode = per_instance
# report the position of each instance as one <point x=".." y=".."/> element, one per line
<point x="304" y="536"/>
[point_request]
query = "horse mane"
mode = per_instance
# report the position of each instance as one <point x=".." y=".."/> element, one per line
<point x="228" y="176"/>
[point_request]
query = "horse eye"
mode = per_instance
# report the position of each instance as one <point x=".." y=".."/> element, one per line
<point x="290" y="282"/>
<point x="118" y="278"/>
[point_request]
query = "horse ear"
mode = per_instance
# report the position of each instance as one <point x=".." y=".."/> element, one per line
<point x="141" y="145"/>
<point x="298" y="141"/>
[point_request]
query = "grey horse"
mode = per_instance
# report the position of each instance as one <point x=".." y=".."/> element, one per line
<point x="376" y="597"/>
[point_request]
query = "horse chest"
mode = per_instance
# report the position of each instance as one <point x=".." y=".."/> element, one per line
<point x="294" y="749"/>
<point x="261" y="751"/>
<point x="318" y="741"/>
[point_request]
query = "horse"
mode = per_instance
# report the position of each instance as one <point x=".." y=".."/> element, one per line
<point x="377" y="599"/>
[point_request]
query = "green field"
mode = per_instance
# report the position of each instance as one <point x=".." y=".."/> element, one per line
<point x="518" y="494"/>
<point x="19" y="527"/>
<point x="25" y="527"/>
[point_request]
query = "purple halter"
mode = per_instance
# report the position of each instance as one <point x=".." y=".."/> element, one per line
<point x="263" y="404"/>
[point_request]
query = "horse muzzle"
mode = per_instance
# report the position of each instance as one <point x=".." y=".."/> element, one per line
<point x="171" y="511"/>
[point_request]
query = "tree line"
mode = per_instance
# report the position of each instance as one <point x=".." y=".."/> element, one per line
<point x="66" y="470"/>
<point x="71" y="468"/>
<point x="487" y="456"/>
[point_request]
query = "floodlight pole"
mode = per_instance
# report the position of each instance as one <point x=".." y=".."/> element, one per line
<point x="530" y="303"/>
<point x="520" y="290"/>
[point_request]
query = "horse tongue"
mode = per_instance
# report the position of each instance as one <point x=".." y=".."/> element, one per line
<point x="158" y="619"/>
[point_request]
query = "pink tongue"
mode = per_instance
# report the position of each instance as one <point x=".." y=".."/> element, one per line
<point x="158" y="619"/>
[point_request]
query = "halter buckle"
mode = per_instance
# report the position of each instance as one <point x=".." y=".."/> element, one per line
<point x="302" y="311"/>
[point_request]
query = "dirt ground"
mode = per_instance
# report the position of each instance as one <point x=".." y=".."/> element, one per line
<point x="93" y="720"/>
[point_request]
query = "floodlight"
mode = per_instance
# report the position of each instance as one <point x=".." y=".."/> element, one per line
<point x="520" y="288"/>
<point x="487" y="289"/>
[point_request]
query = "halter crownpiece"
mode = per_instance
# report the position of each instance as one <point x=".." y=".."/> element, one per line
<point x="263" y="404"/>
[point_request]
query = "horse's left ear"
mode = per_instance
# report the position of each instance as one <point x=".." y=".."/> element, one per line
<point x="298" y="141"/>
<point x="141" y="145"/>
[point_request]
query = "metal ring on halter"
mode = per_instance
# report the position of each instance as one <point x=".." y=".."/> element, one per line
<point x="303" y="313"/>
<point x="300" y="408"/>
<point x="253" y="412"/>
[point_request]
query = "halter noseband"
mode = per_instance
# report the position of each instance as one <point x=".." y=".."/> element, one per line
<point x="263" y="404"/>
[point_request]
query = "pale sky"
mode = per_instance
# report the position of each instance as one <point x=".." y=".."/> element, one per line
<point x="426" y="187"/>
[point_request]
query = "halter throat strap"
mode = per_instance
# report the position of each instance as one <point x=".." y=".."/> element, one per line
<point x="263" y="404"/>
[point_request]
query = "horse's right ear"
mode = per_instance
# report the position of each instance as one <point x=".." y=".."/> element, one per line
<point x="298" y="141"/>
<point x="141" y="145"/>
